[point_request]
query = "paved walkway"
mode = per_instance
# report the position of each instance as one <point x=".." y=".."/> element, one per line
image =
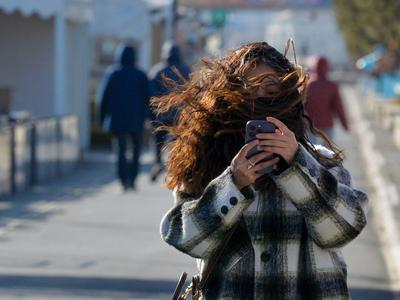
<point x="368" y="277"/>
<point x="381" y="158"/>
<point x="83" y="238"/>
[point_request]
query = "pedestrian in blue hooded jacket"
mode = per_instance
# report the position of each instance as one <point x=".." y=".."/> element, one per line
<point x="171" y="67"/>
<point x="124" y="108"/>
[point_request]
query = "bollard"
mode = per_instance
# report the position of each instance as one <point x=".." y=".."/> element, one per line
<point x="5" y="161"/>
<point x="396" y="131"/>
<point x="380" y="112"/>
<point x="68" y="145"/>
<point x="371" y="99"/>
<point x="390" y="111"/>
<point x="46" y="149"/>
<point x="33" y="169"/>
<point x="370" y="102"/>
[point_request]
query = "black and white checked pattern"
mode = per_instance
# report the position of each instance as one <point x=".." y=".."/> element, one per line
<point x="290" y="249"/>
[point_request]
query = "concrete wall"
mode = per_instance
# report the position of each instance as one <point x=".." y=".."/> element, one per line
<point x="26" y="60"/>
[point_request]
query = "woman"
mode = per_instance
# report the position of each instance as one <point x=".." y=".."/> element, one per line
<point x="292" y="222"/>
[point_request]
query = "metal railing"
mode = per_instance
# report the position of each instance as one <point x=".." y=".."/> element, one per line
<point x="32" y="152"/>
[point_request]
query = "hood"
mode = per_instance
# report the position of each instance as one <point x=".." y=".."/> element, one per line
<point x="171" y="53"/>
<point x="321" y="67"/>
<point x="126" y="56"/>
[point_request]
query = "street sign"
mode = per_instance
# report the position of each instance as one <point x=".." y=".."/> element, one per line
<point x="267" y="4"/>
<point x="218" y="17"/>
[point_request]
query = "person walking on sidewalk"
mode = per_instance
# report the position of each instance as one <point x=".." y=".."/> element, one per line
<point x="171" y="68"/>
<point x="289" y="224"/>
<point x="323" y="103"/>
<point x="124" y="107"/>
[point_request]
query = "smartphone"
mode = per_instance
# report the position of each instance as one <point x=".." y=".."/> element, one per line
<point x="254" y="127"/>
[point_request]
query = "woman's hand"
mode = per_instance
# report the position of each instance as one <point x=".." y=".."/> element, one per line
<point x="244" y="169"/>
<point x="282" y="142"/>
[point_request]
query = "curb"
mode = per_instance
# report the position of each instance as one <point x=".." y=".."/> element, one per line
<point x="384" y="192"/>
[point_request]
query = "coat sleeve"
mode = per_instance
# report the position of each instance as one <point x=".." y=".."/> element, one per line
<point x="334" y="211"/>
<point x="196" y="226"/>
<point x="104" y="94"/>
<point x="154" y="89"/>
<point x="147" y="95"/>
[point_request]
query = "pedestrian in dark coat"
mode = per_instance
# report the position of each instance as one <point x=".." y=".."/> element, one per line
<point x="124" y="107"/>
<point x="323" y="100"/>
<point x="170" y="66"/>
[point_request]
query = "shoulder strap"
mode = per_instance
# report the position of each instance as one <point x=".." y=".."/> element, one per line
<point x="214" y="259"/>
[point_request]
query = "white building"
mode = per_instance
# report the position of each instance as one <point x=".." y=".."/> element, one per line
<point x="48" y="51"/>
<point x="44" y="56"/>
<point x="121" y="20"/>
<point x="314" y="31"/>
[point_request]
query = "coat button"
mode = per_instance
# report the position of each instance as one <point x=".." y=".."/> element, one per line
<point x="265" y="257"/>
<point x="224" y="209"/>
<point x="301" y="159"/>
<point x="233" y="201"/>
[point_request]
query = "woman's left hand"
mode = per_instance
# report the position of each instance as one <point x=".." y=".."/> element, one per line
<point x="282" y="142"/>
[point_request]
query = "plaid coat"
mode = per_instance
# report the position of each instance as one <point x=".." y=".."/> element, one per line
<point x="287" y="245"/>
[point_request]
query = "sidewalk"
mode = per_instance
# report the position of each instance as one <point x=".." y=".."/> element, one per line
<point x="83" y="238"/>
<point x="368" y="275"/>
<point x="381" y="160"/>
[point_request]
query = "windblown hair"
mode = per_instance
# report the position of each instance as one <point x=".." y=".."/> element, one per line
<point x="215" y="104"/>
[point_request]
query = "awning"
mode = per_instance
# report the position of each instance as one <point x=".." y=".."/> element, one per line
<point x="74" y="10"/>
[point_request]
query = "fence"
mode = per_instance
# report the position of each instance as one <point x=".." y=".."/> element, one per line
<point x="35" y="151"/>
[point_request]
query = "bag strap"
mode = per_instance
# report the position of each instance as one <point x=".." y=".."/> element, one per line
<point x="214" y="259"/>
<point x="179" y="286"/>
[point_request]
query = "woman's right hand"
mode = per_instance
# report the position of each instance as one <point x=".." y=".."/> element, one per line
<point x="244" y="170"/>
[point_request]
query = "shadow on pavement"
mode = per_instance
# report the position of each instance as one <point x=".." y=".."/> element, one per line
<point x="96" y="171"/>
<point x="372" y="294"/>
<point x="84" y="286"/>
<point x="128" y="287"/>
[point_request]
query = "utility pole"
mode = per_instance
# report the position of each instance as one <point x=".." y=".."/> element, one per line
<point x="171" y="16"/>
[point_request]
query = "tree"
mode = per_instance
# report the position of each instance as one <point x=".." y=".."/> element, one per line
<point x="366" y="23"/>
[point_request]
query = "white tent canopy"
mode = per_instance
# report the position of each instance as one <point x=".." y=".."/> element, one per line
<point x="45" y="56"/>
<point x="75" y="10"/>
<point x="47" y="45"/>
<point x="44" y="8"/>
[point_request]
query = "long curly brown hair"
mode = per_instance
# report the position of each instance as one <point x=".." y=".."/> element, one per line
<point x="215" y="104"/>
